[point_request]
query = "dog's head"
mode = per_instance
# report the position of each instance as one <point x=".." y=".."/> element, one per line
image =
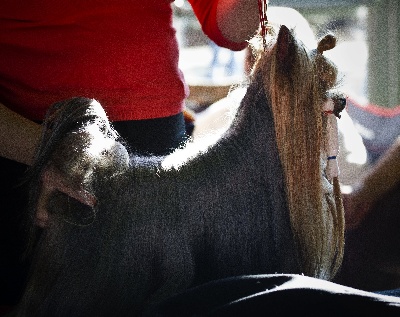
<point x="298" y="82"/>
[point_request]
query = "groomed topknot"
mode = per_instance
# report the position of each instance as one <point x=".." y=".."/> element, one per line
<point x="326" y="43"/>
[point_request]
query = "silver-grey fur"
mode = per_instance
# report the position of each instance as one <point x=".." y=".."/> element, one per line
<point x="156" y="230"/>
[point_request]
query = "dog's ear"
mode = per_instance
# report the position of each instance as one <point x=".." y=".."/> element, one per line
<point x="326" y="43"/>
<point x="285" y="50"/>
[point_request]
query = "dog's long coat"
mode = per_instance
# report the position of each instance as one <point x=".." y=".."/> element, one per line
<point x="160" y="225"/>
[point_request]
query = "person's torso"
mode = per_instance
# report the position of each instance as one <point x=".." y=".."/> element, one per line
<point x="121" y="52"/>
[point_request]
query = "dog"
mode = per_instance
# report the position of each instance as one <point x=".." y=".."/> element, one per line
<point x="254" y="201"/>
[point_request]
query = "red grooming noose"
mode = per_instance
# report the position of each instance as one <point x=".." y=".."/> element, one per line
<point x="262" y="10"/>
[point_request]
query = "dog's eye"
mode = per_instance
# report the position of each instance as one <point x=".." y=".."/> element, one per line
<point x="342" y="102"/>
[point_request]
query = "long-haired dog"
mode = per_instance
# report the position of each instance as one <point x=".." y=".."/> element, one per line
<point x="255" y="201"/>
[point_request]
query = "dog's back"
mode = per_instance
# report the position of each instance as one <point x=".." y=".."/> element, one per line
<point x="157" y="230"/>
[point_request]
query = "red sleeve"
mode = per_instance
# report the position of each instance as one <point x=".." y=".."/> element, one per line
<point x="206" y="13"/>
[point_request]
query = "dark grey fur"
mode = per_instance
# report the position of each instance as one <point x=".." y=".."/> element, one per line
<point x="156" y="232"/>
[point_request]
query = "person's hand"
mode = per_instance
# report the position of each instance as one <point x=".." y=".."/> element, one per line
<point x="356" y="207"/>
<point x="52" y="180"/>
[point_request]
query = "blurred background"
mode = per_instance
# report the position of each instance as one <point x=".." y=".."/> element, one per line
<point x="217" y="68"/>
<point x="367" y="56"/>
<point x="367" y="51"/>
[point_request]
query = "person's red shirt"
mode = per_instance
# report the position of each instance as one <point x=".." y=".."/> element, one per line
<point x="123" y="53"/>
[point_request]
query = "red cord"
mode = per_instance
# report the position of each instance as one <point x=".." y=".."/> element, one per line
<point x="262" y="10"/>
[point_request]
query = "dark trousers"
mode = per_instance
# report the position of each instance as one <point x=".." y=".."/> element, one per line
<point x="13" y="201"/>
<point x="154" y="136"/>
<point x="276" y="295"/>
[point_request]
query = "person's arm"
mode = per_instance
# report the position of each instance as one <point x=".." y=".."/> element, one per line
<point x="18" y="136"/>
<point x="380" y="179"/>
<point x="229" y="23"/>
<point x="238" y="20"/>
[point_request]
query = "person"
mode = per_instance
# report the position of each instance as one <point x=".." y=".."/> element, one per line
<point x="372" y="256"/>
<point x="122" y="53"/>
<point x="381" y="178"/>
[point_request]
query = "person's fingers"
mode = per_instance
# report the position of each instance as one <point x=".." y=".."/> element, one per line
<point x="55" y="181"/>
<point x="82" y="196"/>
<point x="52" y="181"/>
<point x="42" y="216"/>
